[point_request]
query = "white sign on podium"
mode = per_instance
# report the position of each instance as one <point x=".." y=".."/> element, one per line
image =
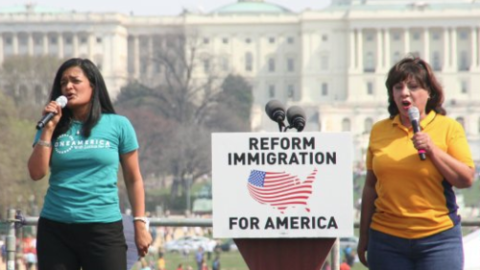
<point x="282" y="185"/>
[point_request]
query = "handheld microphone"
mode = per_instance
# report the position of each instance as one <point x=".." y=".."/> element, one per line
<point x="296" y="118"/>
<point x="414" y="116"/>
<point x="62" y="101"/>
<point x="276" y="111"/>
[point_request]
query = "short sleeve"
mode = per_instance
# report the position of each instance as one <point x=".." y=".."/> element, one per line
<point x="128" y="137"/>
<point x="458" y="145"/>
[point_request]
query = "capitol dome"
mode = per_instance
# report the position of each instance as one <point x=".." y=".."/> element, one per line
<point x="252" y="7"/>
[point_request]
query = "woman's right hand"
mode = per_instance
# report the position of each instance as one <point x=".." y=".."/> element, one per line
<point x="55" y="108"/>
<point x="362" y="249"/>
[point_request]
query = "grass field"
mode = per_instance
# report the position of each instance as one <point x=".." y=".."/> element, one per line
<point x="231" y="260"/>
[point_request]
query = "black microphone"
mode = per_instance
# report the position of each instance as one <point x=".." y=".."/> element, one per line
<point x="62" y="101"/>
<point x="296" y="118"/>
<point x="414" y="116"/>
<point x="276" y="111"/>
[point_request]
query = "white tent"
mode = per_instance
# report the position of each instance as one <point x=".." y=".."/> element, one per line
<point x="471" y="247"/>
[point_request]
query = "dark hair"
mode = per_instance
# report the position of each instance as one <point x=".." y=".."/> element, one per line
<point x="422" y="73"/>
<point x="100" y="102"/>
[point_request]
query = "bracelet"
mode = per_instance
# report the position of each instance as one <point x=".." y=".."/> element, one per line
<point x="44" y="143"/>
<point x="142" y="219"/>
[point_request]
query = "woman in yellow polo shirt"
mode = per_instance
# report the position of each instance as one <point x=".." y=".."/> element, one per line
<point x="409" y="214"/>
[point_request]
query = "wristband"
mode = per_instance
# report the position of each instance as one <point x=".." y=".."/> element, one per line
<point x="44" y="143"/>
<point x="144" y="220"/>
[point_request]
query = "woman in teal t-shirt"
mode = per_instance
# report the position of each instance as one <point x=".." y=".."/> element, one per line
<point x="82" y="146"/>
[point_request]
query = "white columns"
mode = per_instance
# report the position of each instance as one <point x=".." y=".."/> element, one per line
<point x="359" y="50"/>
<point x="45" y="44"/>
<point x="30" y="44"/>
<point x="352" y="50"/>
<point x="453" y="52"/>
<point x="406" y="40"/>
<point x="15" y="43"/>
<point x="75" y="45"/>
<point x="150" y="53"/>
<point x="426" y="45"/>
<point x="91" y="46"/>
<point x="380" y="52"/>
<point x="136" y="56"/>
<point x="388" y="54"/>
<point x="474" y="48"/>
<point x="60" y="48"/>
<point x="446" y="49"/>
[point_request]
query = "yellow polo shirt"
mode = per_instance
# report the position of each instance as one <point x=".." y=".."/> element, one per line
<point x="414" y="200"/>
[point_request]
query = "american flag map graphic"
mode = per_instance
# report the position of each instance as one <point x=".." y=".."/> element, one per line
<point x="279" y="189"/>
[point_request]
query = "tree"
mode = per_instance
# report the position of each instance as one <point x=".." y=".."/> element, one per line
<point x="28" y="80"/>
<point x="176" y="117"/>
<point x="16" y="137"/>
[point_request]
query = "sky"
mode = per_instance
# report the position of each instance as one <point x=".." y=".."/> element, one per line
<point x="156" y="7"/>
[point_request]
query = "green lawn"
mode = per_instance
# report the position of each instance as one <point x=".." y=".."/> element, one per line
<point x="229" y="260"/>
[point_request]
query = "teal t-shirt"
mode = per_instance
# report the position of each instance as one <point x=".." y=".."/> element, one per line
<point x="83" y="172"/>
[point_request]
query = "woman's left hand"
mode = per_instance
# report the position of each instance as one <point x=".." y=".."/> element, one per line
<point x="143" y="239"/>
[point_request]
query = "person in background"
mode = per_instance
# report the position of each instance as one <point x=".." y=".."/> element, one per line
<point x="80" y="226"/>
<point x="161" y="261"/>
<point x="409" y="214"/>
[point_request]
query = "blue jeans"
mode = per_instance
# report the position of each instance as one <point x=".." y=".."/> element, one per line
<point x="442" y="251"/>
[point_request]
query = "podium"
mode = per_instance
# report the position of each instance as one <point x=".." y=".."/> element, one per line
<point x="285" y="254"/>
<point x="283" y="197"/>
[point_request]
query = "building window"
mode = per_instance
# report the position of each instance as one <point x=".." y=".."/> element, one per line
<point x="324" y="62"/>
<point x="225" y="64"/>
<point x="83" y="40"/>
<point x="396" y="36"/>
<point x="464" y="87"/>
<point x="206" y="65"/>
<point x="248" y="61"/>
<point x="68" y="40"/>
<point x="436" y="61"/>
<point x="8" y="41"/>
<point x="461" y="121"/>
<point x="463" y="65"/>
<point x="369" y="65"/>
<point x="290" y="91"/>
<point x="324" y="89"/>
<point x="346" y="125"/>
<point x="225" y="40"/>
<point x="248" y="40"/>
<point x="370" y="89"/>
<point x="290" y="65"/>
<point x="463" y="35"/>
<point x="290" y="40"/>
<point x="324" y="37"/>
<point x="416" y="35"/>
<point x="206" y="40"/>
<point x="99" y="40"/>
<point x="368" y="125"/>
<point x="271" y="65"/>
<point x="53" y="40"/>
<point x="396" y="57"/>
<point x="271" y="91"/>
<point x="436" y="36"/>
<point x="369" y="37"/>
<point x="271" y="40"/>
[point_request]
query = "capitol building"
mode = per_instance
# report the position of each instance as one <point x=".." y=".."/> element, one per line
<point x="332" y="62"/>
